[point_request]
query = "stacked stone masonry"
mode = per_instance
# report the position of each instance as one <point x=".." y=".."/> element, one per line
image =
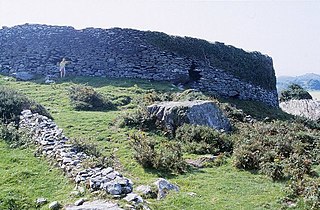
<point x="52" y="143"/>
<point x="115" y="53"/>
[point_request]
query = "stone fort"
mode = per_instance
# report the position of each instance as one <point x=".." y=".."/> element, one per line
<point x="128" y="53"/>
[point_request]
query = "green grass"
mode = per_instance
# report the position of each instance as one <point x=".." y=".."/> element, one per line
<point x="216" y="188"/>
<point x="24" y="178"/>
<point x="223" y="188"/>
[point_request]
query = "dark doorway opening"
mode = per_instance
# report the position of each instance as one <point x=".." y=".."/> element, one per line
<point x="194" y="74"/>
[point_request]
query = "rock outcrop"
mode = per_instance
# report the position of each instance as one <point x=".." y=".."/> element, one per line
<point x="304" y="108"/>
<point x="173" y="114"/>
<point x="126" y="53"/>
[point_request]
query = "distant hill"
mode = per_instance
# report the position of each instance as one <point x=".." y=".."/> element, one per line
<point x="308" y="81"/>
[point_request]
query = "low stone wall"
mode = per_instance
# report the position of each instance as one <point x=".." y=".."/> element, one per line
<point x="53" y="144"/>
<point x="118" y="53"/>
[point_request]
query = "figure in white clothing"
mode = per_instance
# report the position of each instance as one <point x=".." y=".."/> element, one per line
<point x="63" y="67"/>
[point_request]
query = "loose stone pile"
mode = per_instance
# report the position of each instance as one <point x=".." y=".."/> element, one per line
<point x="53" y="144"/>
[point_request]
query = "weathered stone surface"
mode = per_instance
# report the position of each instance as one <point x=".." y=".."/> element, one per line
<point x="41" y="201"/>
<point x="55" y="205"/>
<point x="200" y="162"/>
<point x="173" y="114"/>
<point x="79" y="202"/>
<point x="95" y="205"/>
<point x="133" y="198"/>
<point x="164" y="186"/>
<point x="304" y="108"/>
<point x="117" y="53"/>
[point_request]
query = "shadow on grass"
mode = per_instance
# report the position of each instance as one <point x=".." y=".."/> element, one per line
<point x="258" y="110"/>
<point x="168" y="175"/>
<point x="98" y="82"/>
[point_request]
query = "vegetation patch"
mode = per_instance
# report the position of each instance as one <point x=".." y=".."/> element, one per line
<point x="294" y="91"/>
<point x="164" y="156"/>
<point x="12" y="103"/>
<point x="278" y="149"/>
<point x="202" y="140"/>
<point x="85" y="98"/>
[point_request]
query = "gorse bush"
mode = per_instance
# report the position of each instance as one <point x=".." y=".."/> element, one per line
<point x="170" y="157"/>
<point x="153" y="96"/>
<point x="308" y="189"/>
<point x="144" y="148"/>
<point x="86" y="98"/>
<point x="294" y="91"/>
<point x="12" y="103"/>
<point x="12" y="136"/>
<point x="202" y="140"/>
<point x="140" y="119"/>
<point x="163" y="156"/>
<point x="278" y="149"/>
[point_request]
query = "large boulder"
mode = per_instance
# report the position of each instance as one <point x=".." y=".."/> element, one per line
<point x="173" y="114"/>
<point x="304" y="108"/>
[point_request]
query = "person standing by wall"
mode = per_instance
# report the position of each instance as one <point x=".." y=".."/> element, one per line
<point x="63" y="67"/>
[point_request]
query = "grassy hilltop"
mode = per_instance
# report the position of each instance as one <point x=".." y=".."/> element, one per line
<point x="274" y="141"/>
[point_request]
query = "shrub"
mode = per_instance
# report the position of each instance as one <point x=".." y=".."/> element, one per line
<point x="154" y="96"/>
<point x="202" y="140"/>
<point x="273" y="170"/>
<point x="144" y="148"/>
<point x="311" y="124"/>
<point x="140" y="119"/>
<point x="233" y="113"/>
<point x="308" y="189"/>
<point x="12" y="103"/>
<point x="163" y="156"/>
<point x="247" y="156"/>
<point x="13" y="136"/>
<point x="86" y="98"/>
<point x="170" y="158"/>
<point x="121" y="100"/>
<point x="277" y="149"/>
<point x="294" y="91"/>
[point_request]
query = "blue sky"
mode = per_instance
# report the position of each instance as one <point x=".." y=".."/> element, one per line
<point x="288" y="31"/>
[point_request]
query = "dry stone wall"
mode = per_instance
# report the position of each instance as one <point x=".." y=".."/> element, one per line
<point x="53" y="144"/>
<point x="116" y="53"/>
